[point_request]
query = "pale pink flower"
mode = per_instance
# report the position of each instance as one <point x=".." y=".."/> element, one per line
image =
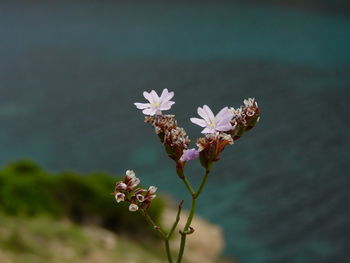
<point x="156" y="104"/>
<point x="211" y="123"/>
<point x="189" y="155"/>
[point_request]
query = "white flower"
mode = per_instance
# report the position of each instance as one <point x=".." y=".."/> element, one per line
<point x="152" y="189"/>
<point x="236" y="112"/>
<point x="228" y="138"/>
<point x="156" y="104"/>
<point x="121" y="186"/>
<point x="130" y="174"/>
<point x="250" y="102"/>
<point x="211" y="123"/>
<point x="133" y="208"/>
<point x="140" y="198"/>
<point x="119" y="197"/>
<point x="133" y="182"/>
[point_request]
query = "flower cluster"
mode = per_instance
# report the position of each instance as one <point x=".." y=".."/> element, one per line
<point x="211" y="146"/>
<point x="220" y="130"/>
<point x="244" y="118"/>
<point x="173" y="137"/>
<point x="137" y="197"/>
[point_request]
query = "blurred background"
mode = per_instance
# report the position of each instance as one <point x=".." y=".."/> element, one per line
<point x="70" y="72"/>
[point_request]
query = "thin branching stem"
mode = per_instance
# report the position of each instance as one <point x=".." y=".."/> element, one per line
<point x="176" y="220"/>
<point x="161" y="233"/>
<point x="187" y="228"/>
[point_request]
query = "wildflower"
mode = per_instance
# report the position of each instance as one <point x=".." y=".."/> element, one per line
<point x="244" y="118"/>
<point x="189" y="154"/>
<point x="211" y="146"/>
<point x="174" y="138"/>
<point x="140" y="198"/>
<point x="133" y="207"/>
<point x="151" y="197"/>
<point x="133" y="182"/>
<point x="129" y="174"/>
<point x="176" y="142"/>
<point x="119" y="197"/>
<point x="152" y="190"/>
<point x="120" y="186"/>
<point x="156" y="104"/>
<point x="211" y="123"/>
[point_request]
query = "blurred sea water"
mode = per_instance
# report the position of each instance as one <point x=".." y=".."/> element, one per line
<point x="70" y="72"/>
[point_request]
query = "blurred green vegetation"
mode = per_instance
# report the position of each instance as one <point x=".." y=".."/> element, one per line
<point x="42" y="239"/>
<point x="27" y="190"/>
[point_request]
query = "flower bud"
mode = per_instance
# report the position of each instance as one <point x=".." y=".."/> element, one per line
<point x="174" y="138"/>
<point x="152" y="189"/>
<point x="119" y="197"/>
<point x="140" y="198"/>
<point x="129" y="175"/>
<point x="133" y="182"/>
<point x="244" y="118"/>
<point x="151" y="197"/>
<point x="133" y="207"/>
<point x="120" y="186"/>
<point x="189" y="155"/>
<point x="211" y="146"/>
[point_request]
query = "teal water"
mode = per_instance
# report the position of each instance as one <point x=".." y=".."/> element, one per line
<point x="70" y="72"/>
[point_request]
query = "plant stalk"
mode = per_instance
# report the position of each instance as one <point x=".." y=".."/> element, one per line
<point x="187" y="227"/>
<point x="161" y="233"/>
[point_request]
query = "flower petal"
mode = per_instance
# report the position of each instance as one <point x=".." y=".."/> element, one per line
<point x="201" y="112"/>
<point x="148" y="96"/>
<point x="149" y="111"/>
<point x="224" y="127"/>
<point x="142" y="106"/>
<point x="166" y="105"/>
<point x="166" y="95"/>
<point x="208" y="130"/>
<point x="154" y="96"/>
<point x="222" y="113"/>
<point x="199" y="122"/>
<point x="189" y="155"/>
<point x="208" y="111"/>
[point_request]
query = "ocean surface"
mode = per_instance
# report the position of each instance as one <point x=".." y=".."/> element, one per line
<point x="70" y="72"/>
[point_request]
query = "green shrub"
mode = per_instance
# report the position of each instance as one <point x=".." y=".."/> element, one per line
<point x="28" y="190"/>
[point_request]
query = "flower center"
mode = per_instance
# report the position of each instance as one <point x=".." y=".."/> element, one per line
<point x="155" y="104"/>
<point x="212" y="123"/>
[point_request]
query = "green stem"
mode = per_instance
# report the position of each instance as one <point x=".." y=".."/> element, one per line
<point x="186" y="228"/>
<point x="201" y="186"/>
<point x="176" y="221"/>
<point x="188" y="186"/>
<point x="161" y="233"/>
<point x="191" y="215"/>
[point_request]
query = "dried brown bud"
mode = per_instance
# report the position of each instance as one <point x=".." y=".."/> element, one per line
<point x="174" y="138"/>
<point x="211" y="146"/>
<point x="245" y="118"/>
<point x="162" y="124"/>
